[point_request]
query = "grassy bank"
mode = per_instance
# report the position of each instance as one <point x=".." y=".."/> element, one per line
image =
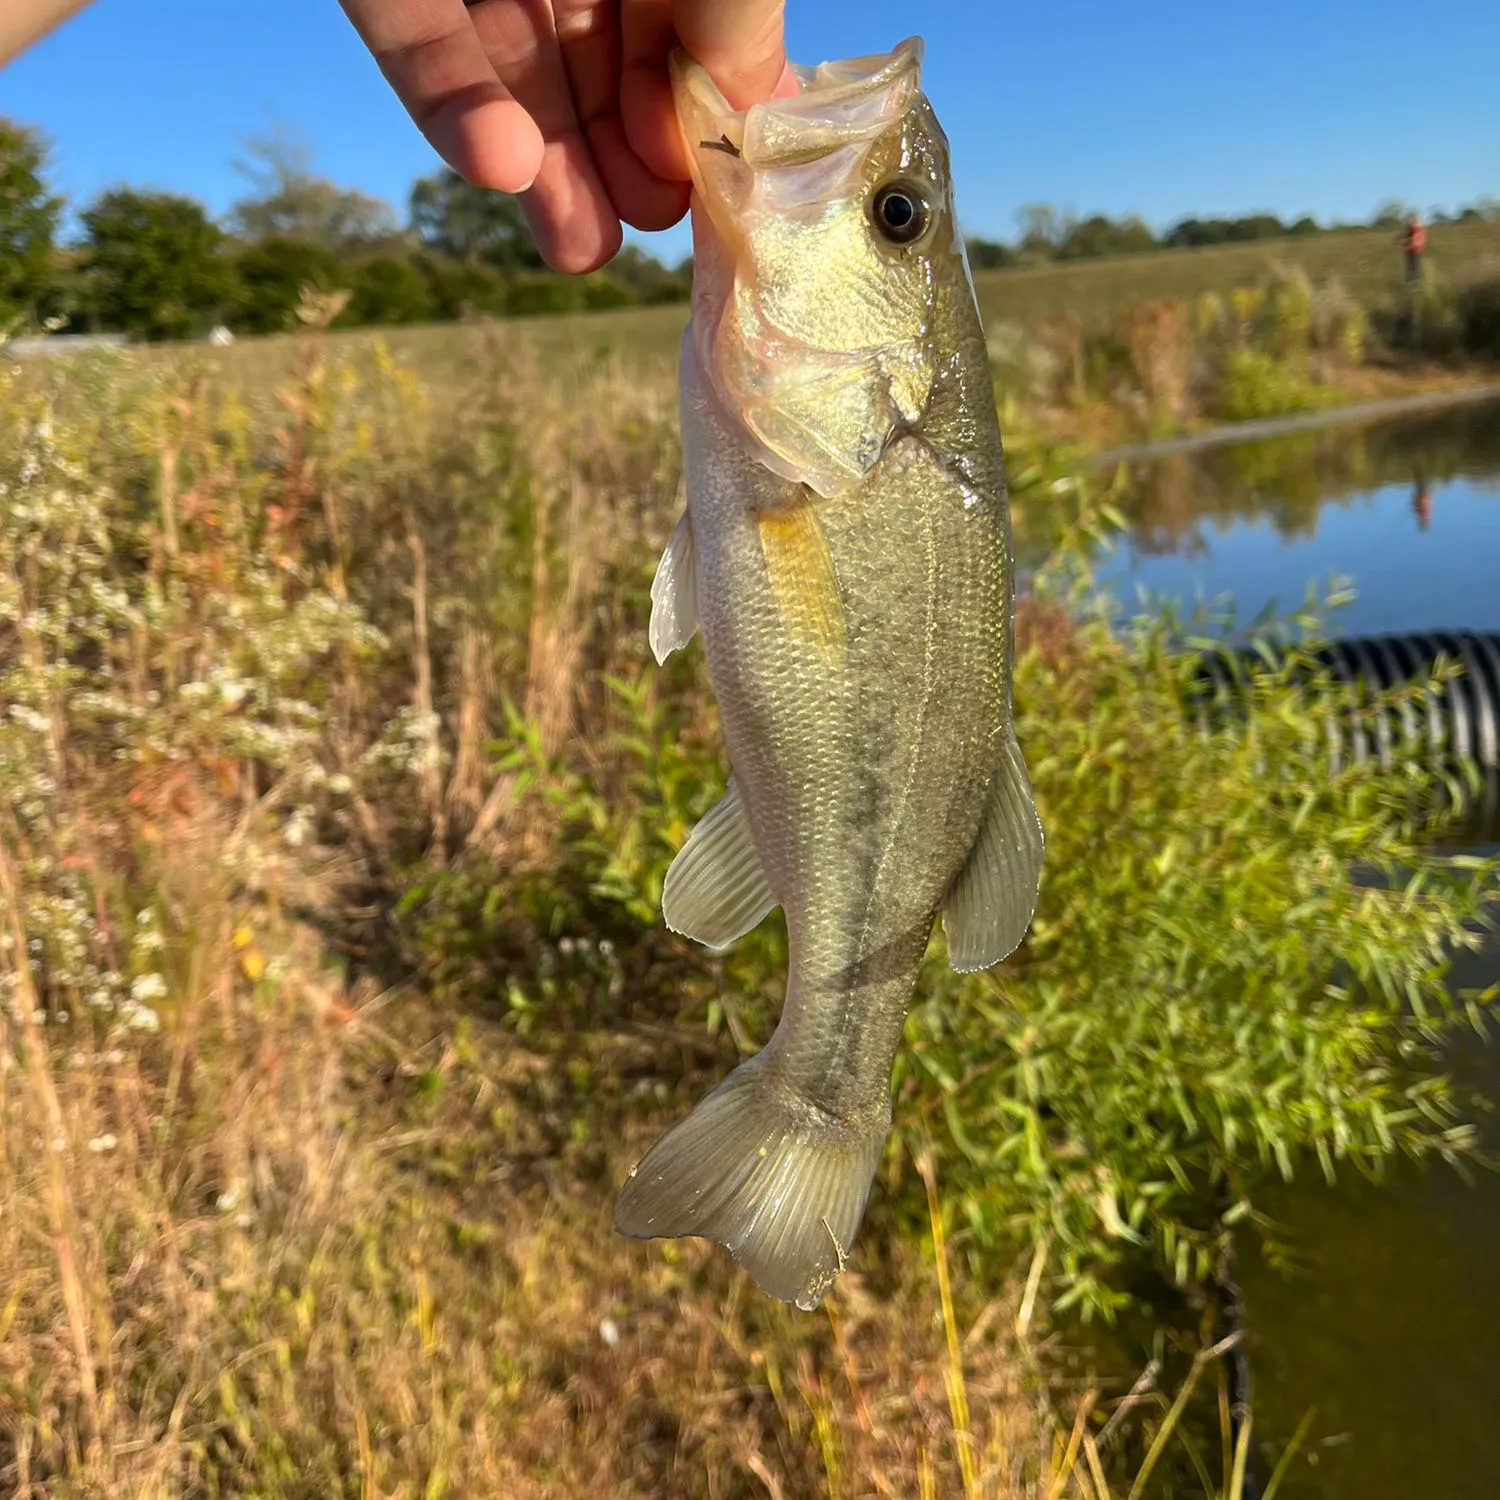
<point x="1367" y="262"/>
<point x="339" y="790"/>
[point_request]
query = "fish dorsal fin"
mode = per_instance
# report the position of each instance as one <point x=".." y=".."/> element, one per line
<point x="989" y="905"/>
<point x="674" y="593"/>
<point x="716" y="889"/>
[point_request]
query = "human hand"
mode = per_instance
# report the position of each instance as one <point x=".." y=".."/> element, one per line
<point x="568" y="103"/>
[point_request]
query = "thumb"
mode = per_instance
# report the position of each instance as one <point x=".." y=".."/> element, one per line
<point x="740" y="42"/>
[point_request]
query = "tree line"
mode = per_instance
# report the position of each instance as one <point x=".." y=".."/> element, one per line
<point x="1046" y="233"/>
<point x="157" y="265"/>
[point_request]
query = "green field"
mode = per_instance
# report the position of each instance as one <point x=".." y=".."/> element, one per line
<point x="1367" y="261"/>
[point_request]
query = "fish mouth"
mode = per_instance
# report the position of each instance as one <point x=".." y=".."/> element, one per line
<point x="836" y="104"/>
<point x="811" y="393"/>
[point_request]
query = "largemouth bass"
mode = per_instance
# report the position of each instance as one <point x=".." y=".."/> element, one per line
<point x="846" y="554"/>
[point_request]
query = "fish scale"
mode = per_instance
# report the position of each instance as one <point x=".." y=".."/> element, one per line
<point x="849" y="568"/>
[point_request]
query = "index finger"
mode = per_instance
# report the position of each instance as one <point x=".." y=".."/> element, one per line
<point x="433" y="58"/>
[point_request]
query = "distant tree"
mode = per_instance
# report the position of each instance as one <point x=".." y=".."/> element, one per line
<point x="453" y="217"/>
<point x="1256" y="227"/>
<point x="28" y="222"/>
<point x="1234" y="231"/>
<point x="1099" y="235"/>
<point x="646" y="278"/>
<point x="290" y="202"/>
<point x="458" y="288"/>
<point x="1189" y="232"/>
<point x="988" y="255"/>
<point x="1043" y="228"/>
<point x="1391" y="214"/>
<point x="533" y="292"/>
<point x="386" y="291"/>
<point x="154" y="264"/>
<point x="603" y="289"/>
<point x="1305" y="225"/>
<point x="271" y="275"/>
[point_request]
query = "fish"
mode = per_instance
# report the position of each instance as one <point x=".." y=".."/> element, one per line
<point x="845" y="554"/>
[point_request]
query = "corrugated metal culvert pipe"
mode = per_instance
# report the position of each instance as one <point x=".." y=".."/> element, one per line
<point x="1454" y="725"/>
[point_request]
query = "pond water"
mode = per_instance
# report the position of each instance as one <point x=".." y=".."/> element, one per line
<point x="1410" y="510"/>
<point x="1390" y="1324"/>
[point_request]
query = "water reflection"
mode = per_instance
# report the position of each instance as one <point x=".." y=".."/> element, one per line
<point x="1421" y="501"/>
<point x="1388" y="1323"/>
<point x="1260" y="521"/>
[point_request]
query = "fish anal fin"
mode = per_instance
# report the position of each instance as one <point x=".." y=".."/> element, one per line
<point x="674" y="593"/>
<point x="990" y="903"/>
<point x="716" y="889"/>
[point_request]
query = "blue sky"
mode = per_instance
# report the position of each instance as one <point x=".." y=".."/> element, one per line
<point x="1164" y="110"/>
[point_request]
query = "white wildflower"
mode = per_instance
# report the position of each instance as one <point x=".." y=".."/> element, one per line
<point x="139" y="1017"/>
<point x="29" y="718"/>
<point x="298" y="826"/>
<point x="145" y="988"/>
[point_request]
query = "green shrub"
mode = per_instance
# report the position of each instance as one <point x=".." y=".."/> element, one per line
<point x="271" y="275"/>
<point x="1254" y="383"/>
<point x="1208" y="998"/>
<point x="387" y="291"/>
<point x="1210" y="995"/>
<point x="463" y="288"/>
<point x="1290" y="303"/>
<point x="1479" y="315"/>
<point x="543" y="292"/>
<point x="604" y="290"/>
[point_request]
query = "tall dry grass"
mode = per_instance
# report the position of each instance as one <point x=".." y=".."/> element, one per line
<point x="274" y="1221"/>
<point x="293" y="1203"/>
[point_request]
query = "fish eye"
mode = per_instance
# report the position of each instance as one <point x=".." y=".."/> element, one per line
<point x="901" y="211"/>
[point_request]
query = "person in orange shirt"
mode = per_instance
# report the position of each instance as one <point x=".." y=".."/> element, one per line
<point x="1414" y="242"/>
<point x="567" y="104"/>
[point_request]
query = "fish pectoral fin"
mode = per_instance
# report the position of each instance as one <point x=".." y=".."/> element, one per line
<point x="716" y="889"/>
<point x="778" y="1182"/>
<point x="990" y="903"/>
<point x="674" y="593"/>
<point x="803" y="581"/>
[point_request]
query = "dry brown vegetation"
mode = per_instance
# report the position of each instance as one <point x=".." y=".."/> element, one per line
<point x="339" y="792"/>
<point x="276" y="1221"/>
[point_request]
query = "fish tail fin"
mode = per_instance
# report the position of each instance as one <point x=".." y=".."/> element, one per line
<point x="778" y="1182"/>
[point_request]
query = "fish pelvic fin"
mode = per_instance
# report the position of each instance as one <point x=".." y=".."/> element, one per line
<point x="716" y="889"/>
<point x="778" y="1182"/>
<point x="990" y="904"/>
